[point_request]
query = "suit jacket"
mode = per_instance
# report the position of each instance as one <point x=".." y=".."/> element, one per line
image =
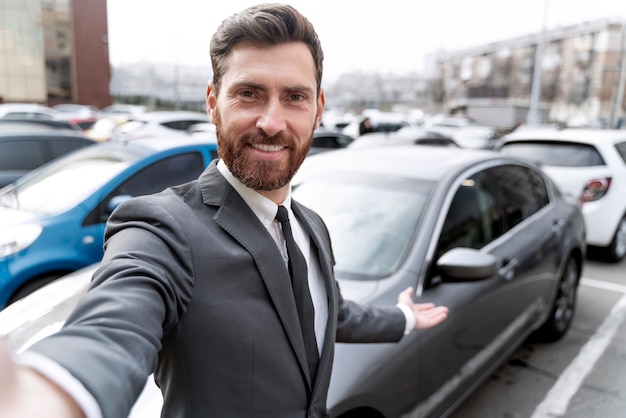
<point x="193" y="288"/>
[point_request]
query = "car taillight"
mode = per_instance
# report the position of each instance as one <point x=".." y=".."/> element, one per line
<point x="595" y="189"/>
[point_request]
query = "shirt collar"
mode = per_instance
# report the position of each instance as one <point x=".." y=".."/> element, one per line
<point x="264" y="208"/>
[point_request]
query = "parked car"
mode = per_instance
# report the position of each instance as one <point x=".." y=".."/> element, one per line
<point x="81" y="115"/>
<point x="589" y="165"/>
<point x="160" y="123"/>
<point x="409" y="135"/>
<point x="379" y="122"/>
<point x="465" y="132"/>
<point x="25" y="146"/>
<point x="52" y="219"/>
<point x="125" y="110"/>
<point x="485" y="234"/>
<point x="329" y="140"/>
<point x="26" y="111"/>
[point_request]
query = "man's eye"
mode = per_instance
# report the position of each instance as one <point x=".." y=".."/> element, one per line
<point x="247" y="93"/>
<point x="297" y="97"/>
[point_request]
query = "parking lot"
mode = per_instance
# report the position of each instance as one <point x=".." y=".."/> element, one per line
<point x="580" y="376"/>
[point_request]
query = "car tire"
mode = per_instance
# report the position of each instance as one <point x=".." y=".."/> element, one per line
<point x="563" y="306"/>
<point x="617" y="250"/>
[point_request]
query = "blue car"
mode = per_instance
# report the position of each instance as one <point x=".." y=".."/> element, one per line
<point x="52" y="220"/>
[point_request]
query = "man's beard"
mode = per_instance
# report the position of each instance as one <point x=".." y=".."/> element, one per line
<point x="255" y="174"/>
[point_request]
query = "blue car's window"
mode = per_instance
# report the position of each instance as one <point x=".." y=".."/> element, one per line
<point x="169" y="171"/>
<point x="371" y="221"/>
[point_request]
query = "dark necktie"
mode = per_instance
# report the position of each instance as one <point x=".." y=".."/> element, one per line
<point x="299" y="282"/>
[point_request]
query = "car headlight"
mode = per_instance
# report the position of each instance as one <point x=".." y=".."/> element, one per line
<point x="16" y="238"/>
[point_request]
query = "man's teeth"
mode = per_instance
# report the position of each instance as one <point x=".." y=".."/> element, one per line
<point x="268" y="148"/>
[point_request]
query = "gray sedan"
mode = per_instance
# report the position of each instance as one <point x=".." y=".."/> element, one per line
<point x="487" y="235"/>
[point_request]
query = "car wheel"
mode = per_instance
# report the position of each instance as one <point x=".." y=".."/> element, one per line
<point x="617" y="250"/>
<point x="564" y="305"/>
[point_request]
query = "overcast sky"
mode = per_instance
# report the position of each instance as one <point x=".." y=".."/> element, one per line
<point x="384" y="36"/>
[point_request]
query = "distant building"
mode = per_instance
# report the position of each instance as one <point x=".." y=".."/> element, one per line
<point x="582" y="74"/>
<point x="54" y="51"/>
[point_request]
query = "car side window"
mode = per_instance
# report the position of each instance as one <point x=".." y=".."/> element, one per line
<point x="58" y="148"/>
<point x="182" y="125"/>
<point x="621" y="150"/>
<point x="474" y="218"/>
<point x="523" y="192"/>
<point x="170" y="171"/>
<point x="325" y="142"/>
<point x="23" y="154"/>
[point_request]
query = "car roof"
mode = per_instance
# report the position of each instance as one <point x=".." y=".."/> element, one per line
<point x="44" y="136"/>
<point x="166" y="115"/>
<point x="586" y="136"/>
<point x="157" y="144"/>
<point x="36" y="125"/>
<point x="423" y="162"/>
<point x="8" y="108"/>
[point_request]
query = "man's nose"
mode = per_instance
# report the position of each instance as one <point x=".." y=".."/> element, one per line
<point x="272" y="119"/>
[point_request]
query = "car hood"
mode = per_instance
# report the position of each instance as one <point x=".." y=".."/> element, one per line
<point x="356" y="290"/>
<point x="15" y="216"/>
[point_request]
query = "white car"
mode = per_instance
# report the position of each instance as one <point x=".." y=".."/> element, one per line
<point x="159" y="123"/>
<point x="26" y="111"/>
<point x="465" y="132"/>
<point x="590" y="166"/>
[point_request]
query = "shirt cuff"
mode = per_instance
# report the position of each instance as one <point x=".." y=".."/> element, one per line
<point x="64" y="379"/>
<point x="409" y="316"/>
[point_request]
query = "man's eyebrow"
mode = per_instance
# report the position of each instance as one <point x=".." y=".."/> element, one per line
<point x="249" y="84"/>
<point x="296" y="89"/>
<point x="292" y="89"/>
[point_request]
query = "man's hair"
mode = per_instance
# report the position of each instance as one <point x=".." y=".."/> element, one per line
<point x="265" y="24"/>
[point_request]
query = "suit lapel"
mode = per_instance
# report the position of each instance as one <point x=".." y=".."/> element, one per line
<point x="238" y="220"/>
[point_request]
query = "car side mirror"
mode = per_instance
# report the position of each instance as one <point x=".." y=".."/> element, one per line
<point x="466" y="264"/>
<point x="116" y="201"/>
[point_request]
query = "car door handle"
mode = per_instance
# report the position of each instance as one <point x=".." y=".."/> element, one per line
<point x="507" y="271"/>
<point x="557" y="227"/>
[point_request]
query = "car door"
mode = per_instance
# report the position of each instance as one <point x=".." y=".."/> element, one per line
<point x="496" y="210"/>
<point x="154" y="177"/>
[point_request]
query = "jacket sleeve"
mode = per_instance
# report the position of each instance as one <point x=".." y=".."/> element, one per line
<point x="111" y="341"/>
<point x="358" y="323"/>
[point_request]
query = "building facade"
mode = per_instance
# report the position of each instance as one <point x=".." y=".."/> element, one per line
<point x="54" y="51"/>
<point x="582" y="73"/>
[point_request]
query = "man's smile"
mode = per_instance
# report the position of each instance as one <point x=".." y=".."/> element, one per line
<point x="267" y="148"/>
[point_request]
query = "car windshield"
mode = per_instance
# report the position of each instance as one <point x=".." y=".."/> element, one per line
<point x="372" y="220"/>
<point x="63" y="184"/>
<point x="559" y="154"/>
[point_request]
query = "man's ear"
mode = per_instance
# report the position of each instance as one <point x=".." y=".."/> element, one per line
<point x="211" y="99"/>
<point x="321" y="101"/>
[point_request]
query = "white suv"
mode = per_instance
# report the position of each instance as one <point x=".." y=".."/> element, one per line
<point x="590" y="165"/>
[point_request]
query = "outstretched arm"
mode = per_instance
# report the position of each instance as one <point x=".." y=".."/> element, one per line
<point x="426" y="314"/>
<point x="28" y="394"/>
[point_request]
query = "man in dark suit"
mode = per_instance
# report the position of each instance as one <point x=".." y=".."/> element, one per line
<point x="196" y="281"/>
